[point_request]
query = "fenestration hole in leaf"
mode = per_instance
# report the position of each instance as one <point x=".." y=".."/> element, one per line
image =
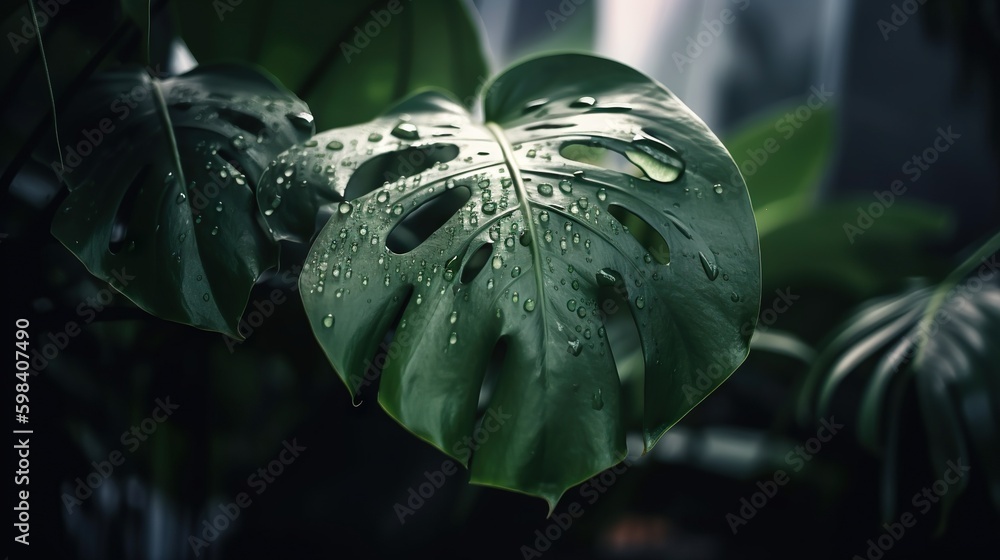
<point x="119" y="228"/>
<point x="422" y="221"/>
<point x="491" y="377"/>
<point x="389" y="167"/>
<point x="243" y="121"/>
<point x="373" y="374"/>
<point x="645" y="234"/>
<point x="549" y="126"/>
<point x="599" y="156"/>
<point x="620" y="325"/>
<point x="477" y="262"/>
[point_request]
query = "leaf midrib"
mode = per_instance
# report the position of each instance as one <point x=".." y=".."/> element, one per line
<point x="536" y="257"/>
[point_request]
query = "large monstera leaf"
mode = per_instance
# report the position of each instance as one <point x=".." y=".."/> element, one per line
<point x="483" y="235"/>
<point x="161" y="178"/>
<point x="940" y="344"/>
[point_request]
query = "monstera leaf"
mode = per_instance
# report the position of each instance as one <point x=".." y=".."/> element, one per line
<point x="474" y="240"/>
<point x="941" y="341"/>
<point x="162" y="177"/>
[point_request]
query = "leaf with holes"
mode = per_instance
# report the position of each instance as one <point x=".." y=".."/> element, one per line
<point x="481" y="241"/>
<point x="161" y="177"/>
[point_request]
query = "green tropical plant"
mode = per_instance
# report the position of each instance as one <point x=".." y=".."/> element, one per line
<point x="167" y="195"/>
<point x="498" y="235"/>
<point x="524" y="233"/>
<point x="934" y="343"/>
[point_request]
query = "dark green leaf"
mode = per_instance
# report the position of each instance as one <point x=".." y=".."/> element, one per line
<point x="560" y="273"/>
<point x="161" y="177"/>
<point x="814" y="248"/>
<point x="944" y="341"/>
<point x="348" y="60"/>
<point x="783" y="165"/>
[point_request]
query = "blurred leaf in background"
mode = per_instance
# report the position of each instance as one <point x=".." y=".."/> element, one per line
<point x="347" y="60"/>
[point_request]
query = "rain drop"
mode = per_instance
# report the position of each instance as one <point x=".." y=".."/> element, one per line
<point x="711" y="270"/>
<point x="405" y="131"/>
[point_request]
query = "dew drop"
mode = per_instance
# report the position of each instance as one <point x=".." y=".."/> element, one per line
<point x="335" y="145"/>
<point x="711" y="270"/>
<point x="345" y="208"/>
<point x="405" y="131"/>
<point x="302" y="121"/>
<point x="534" y="105"/>
<point x="545" y="189"/>
<point x="597" y="402"/>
